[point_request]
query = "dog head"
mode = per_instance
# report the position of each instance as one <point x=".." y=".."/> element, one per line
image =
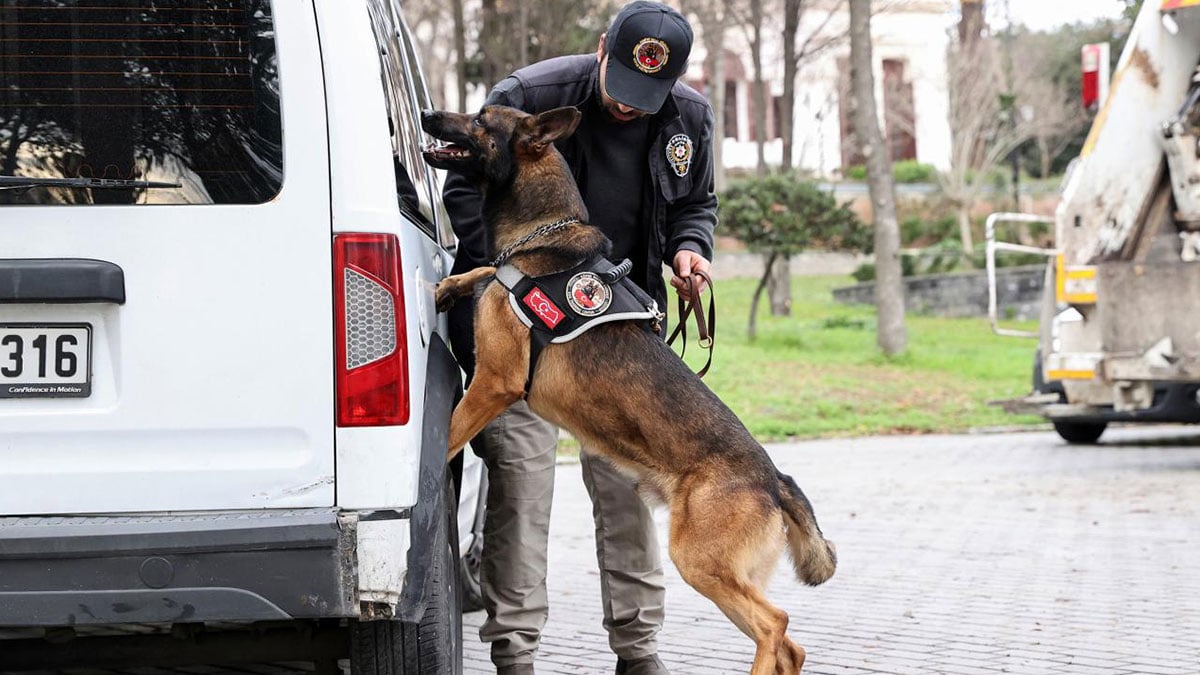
<point x="488" y="146"/>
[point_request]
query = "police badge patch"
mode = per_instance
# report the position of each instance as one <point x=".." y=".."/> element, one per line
<point x="679" y="154"/>
<point x="588" y="295"/>
<point x="650" y="55"/>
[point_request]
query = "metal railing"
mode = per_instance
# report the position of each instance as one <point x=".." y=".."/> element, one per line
<point x="992" y="247"/>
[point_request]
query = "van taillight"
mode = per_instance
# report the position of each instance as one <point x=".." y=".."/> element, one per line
<point x="370" y="338"/>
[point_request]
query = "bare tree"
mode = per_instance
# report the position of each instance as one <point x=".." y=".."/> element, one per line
<point x="816" y="40"/>
<point x="759" y="86"/>
<point x="429" y="21"/>
<point x="982" y="133"/>
<point x="892" y="335"/>
<point x="460" y="51"/>
<point x="713" y="18"/>
<point x="1049" y="107"/>
<point x="516" y="33"/>
<point x="797" y="48"/>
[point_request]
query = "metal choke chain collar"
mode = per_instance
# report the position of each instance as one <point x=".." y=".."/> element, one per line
<point x="543" y="230"/>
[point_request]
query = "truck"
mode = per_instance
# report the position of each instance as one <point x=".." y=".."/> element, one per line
<point x="1119" y="330"/>
<point x="225" y="388"/>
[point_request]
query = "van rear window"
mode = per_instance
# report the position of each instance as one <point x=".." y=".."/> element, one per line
<point x="163" y="91"/>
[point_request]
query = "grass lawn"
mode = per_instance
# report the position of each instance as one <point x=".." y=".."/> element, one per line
<point x="820" y="373"/>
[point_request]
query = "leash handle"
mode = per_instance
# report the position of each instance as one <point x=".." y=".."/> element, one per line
<point x="706" y="329"/>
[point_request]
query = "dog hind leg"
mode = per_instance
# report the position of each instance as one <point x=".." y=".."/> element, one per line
<point x="750" y="611"/>
<point x="728" y="564"/>
<point x="789" y="659"/>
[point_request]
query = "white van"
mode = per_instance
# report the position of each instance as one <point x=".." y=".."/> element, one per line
<point x="224" y="386"/>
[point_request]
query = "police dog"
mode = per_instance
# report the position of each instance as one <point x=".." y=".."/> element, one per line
<point x="618" y="388"/>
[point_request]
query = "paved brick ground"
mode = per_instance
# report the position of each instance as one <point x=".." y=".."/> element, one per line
<point x="958" y="554"/>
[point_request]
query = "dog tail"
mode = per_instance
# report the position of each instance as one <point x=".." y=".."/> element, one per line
<point x="814" y="557"/>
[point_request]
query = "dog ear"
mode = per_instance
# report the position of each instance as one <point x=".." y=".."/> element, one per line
<point x="551" y="126"/>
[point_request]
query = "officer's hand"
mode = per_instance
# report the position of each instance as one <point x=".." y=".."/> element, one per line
<point x="684" y="264"/>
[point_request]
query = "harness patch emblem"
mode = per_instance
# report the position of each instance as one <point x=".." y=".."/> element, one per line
<point x="588" y="295"/>
<point x="650" y="55"/>
<point x="546" y="310"/>
<point x="679" y="154"/>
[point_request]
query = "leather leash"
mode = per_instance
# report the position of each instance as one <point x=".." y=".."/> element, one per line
<point x="706" y="329"/>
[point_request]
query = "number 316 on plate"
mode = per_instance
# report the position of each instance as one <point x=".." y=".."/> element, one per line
<point x="45" y="361"/>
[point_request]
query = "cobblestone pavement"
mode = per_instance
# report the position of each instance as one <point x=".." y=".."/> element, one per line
<point x="958" y="554"/>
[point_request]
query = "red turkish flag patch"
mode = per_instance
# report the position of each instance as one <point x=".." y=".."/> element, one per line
<point x="546" y="310"/>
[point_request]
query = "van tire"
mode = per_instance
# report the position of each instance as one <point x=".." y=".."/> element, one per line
<point x="1080" y="433"/>
<point x="431" y="647"/>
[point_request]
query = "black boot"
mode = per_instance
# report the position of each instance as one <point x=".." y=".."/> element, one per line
<point x="646" y="665"/>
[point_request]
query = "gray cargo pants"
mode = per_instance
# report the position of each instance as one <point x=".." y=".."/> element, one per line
<point x="520" y="455"/>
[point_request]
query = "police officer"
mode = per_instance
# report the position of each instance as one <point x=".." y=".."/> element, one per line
<point x="642" y="158"/>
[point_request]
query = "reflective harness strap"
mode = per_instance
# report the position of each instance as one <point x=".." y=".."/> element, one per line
<point x="556" y="309"/>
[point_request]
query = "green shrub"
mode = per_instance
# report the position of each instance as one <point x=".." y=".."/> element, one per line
<point x="944" y="256"/>
<point x="846" y="322"/>
<point x="866" y="271"/>
<point x="856" y="172"/>
<point x="912" y="171"/>
<point x="917" y="231"/>
<point x="783" y="215"/>
<point x="904" y="171"/>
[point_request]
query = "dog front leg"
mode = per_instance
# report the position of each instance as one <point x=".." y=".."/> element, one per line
<point x="458" y="286"/>
<point x="485" y="399"/>
<point x="501" y="366"/>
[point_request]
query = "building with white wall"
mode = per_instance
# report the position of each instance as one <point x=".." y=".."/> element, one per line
<point x="910" y="39"/>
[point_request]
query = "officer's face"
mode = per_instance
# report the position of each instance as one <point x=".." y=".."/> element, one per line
<point x="617" y="111"/>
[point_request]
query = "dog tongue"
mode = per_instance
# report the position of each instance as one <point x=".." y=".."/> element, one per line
<point x="439" y="147"/>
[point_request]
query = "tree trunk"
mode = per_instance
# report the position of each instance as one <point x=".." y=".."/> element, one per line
<point x="760" y="87"/>
<point x="964" y="229"/>
<point x="779" y="287"/>
<point x="752" y="327"/>
<point x="460" y="52"/>
<point x="493" y="64"/>
<point x="1043" y="144"/>
<point x="712" y="20"/>
<point x="523" y="31"/>
<point x="787" y="106"/>
<point x="889" y="294"/>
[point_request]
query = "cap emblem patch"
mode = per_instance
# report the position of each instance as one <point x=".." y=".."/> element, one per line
<point x="679" y="154"/>
<point x="650" y="55"/>
<point x="588" y="295"/>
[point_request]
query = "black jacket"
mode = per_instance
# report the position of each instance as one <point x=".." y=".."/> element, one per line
<point x="680" y="211"/>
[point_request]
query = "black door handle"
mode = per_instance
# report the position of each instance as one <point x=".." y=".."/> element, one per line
<point x="61" y="280"/>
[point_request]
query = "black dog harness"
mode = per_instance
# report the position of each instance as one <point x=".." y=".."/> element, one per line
<point x="560" y="307"/>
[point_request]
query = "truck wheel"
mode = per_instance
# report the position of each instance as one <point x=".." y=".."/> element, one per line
<point x="1080" y="433"/>
<point x="431" y="647"/>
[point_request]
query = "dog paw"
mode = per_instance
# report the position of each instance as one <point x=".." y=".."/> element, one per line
<point x="445" y="295"/>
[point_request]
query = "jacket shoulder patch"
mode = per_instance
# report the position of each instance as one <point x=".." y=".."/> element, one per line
<point x="679" y="154"/>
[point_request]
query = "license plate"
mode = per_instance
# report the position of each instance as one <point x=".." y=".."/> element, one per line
<point x="45" y="360"/>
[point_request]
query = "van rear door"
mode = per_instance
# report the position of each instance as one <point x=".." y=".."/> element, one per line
<point x="208" y="382"/>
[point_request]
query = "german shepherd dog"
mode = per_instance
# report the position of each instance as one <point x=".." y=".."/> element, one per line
<point x="619" y="388"/>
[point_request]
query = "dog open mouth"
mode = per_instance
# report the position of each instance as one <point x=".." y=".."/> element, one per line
<point x="445" y="151"/>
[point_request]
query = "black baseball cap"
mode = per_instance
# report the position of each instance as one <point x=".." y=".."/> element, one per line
<point x="648" y="45"/>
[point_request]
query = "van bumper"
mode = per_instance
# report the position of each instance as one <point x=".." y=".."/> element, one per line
<point x="215" y="566"/>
